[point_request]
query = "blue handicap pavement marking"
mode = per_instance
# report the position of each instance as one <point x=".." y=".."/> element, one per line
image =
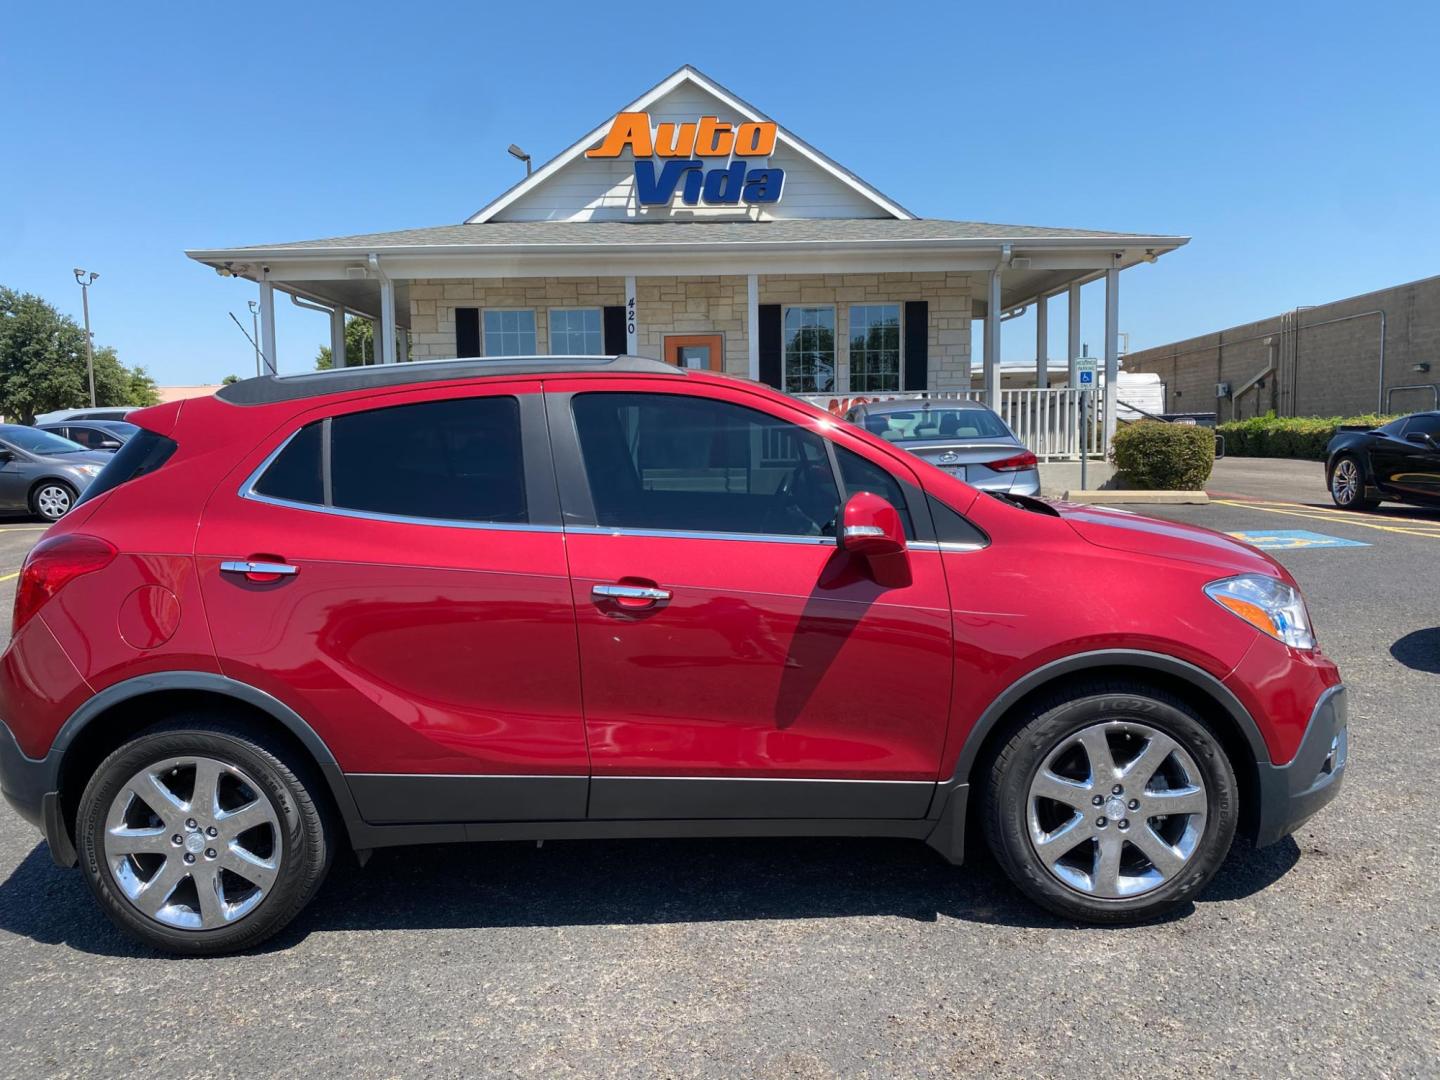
<point x="1291" y="539"/>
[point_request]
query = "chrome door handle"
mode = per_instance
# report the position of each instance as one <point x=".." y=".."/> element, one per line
<point x="628" y="592"/>
<point x="241" y="566"/>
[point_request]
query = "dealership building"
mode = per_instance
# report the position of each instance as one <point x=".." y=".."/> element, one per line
<point x="691" y="227"/>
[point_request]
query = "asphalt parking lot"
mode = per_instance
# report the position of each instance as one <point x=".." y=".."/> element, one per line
<point x="815" y="958"/>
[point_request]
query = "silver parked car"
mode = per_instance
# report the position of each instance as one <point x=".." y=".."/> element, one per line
<point x="965" y="438"/>
<point x="43" y="474"/>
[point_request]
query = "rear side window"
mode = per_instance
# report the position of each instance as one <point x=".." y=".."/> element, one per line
<point x="454" y="460"/>
<point x="143" y="454"/>
<point x="663" y="461"/>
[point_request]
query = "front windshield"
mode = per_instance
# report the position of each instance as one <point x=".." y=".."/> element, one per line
<point x="35" y="441"/>
<point x="916" y="425"/>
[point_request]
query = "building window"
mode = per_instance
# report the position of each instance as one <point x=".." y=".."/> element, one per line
<point x="509" y="333"/>
<point x="809" y="350"/>
<point x="874" y="348"/>
<point x="576" y="332"/>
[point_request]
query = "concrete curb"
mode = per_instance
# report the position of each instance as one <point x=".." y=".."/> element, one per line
<point x="1109" y="496"/>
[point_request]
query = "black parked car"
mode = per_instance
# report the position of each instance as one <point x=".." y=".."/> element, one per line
<point x="106" y="435"/>
<point x="1399" y="462"/>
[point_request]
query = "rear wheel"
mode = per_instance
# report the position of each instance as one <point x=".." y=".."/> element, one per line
<point x="200" y="840"/>
<point x="53" y="499"/>
<point x="1114" y="804"/>
<point x="1347" y="485"/>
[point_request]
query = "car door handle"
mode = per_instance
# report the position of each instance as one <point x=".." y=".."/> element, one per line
<point x="637" y="595"/>
<point x="258" y="570"/>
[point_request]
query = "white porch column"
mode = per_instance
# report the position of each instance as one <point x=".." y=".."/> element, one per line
<point x="632" y="317"/>
<point x="337" y="336"/>
<point x="1112" y="349"/>
<point x="386" y="329"/>
<point x="1073" y="346"/>
<point x="752" y="325"/>
<point x="267" y="322"/>
<point x="1042" y="342"/>
<point x="992" y="341"/>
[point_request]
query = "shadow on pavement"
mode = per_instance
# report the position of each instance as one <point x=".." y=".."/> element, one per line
<point x="614" y="882"/>
<point x="1419" y="650"/>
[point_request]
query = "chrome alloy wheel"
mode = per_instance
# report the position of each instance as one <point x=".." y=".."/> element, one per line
<point x="193" y="843"/>
<point x="53" y="502"/>
<point x="1117" y="810"/>
<point x="1345" y="482"/>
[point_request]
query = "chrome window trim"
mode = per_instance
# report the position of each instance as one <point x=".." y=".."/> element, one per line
<point x="686" y="534"/>
<point x="944" y="545"/>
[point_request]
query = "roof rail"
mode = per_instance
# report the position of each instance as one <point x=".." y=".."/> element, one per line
<point x="269" y="389"/>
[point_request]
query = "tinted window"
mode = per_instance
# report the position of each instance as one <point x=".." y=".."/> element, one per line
<point x="860" y="474"/>
<point x="660" y="461"/>
<point x="143" y="454"/>
<point x="458" y="460"/>
<point x="1423" y="425"/>
<point x="295" y="473"/>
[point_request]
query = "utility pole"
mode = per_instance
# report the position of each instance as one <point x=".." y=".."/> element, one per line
<point x="255" y="340"/>
<point x="85" y="280"/>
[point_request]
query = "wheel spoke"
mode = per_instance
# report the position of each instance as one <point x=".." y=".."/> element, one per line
<point x="1157" y="748"/>
<point x="256" y="812"/>
<point x="1055" y="845"/>
<point x="1161" y="855"/>
<point x="1048" y="785"/>
<point x="259" y="872"/>
<point x="156" y="892"/>
<point x="1189" y="800"/>
<point x="1106" y="875"/>
<point x="1096" y="742"/>
<point x="151" y="790"/>
<point x="204" y="798"/>
<point x="123" y="841"/>
<point x="207" y="888"/>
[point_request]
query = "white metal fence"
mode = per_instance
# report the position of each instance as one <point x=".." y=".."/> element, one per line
<point x="1047" y="421"/>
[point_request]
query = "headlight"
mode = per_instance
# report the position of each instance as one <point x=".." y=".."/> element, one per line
<point x="90" y="470"/>
<point x="1268" y="604"/>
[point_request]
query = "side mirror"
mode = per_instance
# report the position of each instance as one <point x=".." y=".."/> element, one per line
<point x="6" y="455"/>
<point x="1420" y="438"/>
<point x="109" y="444"/>
<point x="870" y="528"/>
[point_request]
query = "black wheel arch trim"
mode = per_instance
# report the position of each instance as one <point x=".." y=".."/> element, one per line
<point x="1038" y="677"/>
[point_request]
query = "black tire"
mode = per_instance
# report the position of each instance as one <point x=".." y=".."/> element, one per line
<point x="1347" y="498"/>
<point x="45" y="514"/>
<point x="305" y="849"/>
<point x="1048" y="727"/>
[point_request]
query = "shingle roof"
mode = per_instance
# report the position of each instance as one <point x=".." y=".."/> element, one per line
<point x="693" y="234"/>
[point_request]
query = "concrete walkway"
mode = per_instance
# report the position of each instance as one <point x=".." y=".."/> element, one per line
<point x="1283" y="479"/>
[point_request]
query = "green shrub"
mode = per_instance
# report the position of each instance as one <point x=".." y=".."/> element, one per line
<point x="1164" y="457"/>
<point x="1287" y="436"/>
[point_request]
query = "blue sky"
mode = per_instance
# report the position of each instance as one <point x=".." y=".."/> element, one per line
<point x="1297" y="143"/>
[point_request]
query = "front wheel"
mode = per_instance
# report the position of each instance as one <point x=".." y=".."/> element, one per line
<point x="1347" y="485"/>
<point x="200" y="840"/>
<point x="53" y="499"/>
<point x="1113" y="804"/>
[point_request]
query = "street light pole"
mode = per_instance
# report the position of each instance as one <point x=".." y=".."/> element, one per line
<point x="85" y="280"/>
<point x="255" y="325"/>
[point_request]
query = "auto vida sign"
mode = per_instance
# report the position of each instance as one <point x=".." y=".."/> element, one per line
<point x="687" y="160"/>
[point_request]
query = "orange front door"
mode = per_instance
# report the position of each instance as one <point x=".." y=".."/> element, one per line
<point x="703" y="351"/>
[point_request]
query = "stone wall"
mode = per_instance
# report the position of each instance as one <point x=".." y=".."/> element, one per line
<point x="1327" y="358"/>
<point x="705" y="305"/>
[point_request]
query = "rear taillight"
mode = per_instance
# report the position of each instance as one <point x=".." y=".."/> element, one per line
<point x="51" y="565"/>
<point x="1023" y="460"/>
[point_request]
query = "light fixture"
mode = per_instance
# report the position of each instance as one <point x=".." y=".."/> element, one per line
<point x="515" y="152"/>
<point x="1422" y="367"/>
<point x="1150" y="255"/>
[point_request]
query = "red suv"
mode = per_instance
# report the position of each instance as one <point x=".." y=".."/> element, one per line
<point x="567" y="598"/>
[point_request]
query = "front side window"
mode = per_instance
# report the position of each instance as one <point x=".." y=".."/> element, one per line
<point x="457" y="460"/>
<point x="809" y="340"/>
<point x="861" y="474"/>
<point x="663" y="461"/>
<point x="576" y="332"/>
<point x="1423" y="425"/>
<point x="509" y="333"/>
<point x="874" y="348"/>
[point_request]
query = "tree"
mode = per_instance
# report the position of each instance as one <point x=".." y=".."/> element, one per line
<point x="359" y="346"/>
<point x="228" y="379"/>
<point x="42" y="363"/>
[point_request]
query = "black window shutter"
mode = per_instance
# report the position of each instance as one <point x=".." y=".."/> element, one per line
<point x="771" y="373"/>
<point x="467" y="331"/>
<point x="917" y="342"/>
<point x="613" y="320"/>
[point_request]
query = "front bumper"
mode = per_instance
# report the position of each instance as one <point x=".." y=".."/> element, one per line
<point x="1292" y="794"/>
<point x="31" y="787"/>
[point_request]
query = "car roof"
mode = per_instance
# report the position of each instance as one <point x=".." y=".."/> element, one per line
<point x="269" y="389"/>
<point x="911" y="404"/>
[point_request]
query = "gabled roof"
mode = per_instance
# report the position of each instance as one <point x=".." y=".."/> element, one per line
<point x="689" y="74"/>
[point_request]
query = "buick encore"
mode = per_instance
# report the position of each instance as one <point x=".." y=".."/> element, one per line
<point x="604" y="597"/>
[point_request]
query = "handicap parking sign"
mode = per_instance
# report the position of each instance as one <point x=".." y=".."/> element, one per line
<point x="1085" y="373"/>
